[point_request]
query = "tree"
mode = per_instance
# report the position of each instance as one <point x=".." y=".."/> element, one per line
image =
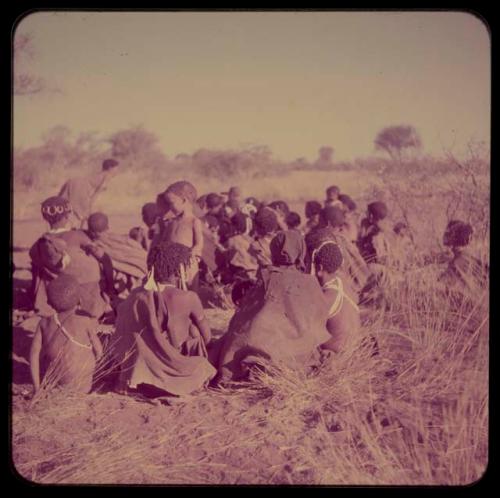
<point x="325" y="157"/>
<point x="25" y="83"/>
<point x="396" y="139"/>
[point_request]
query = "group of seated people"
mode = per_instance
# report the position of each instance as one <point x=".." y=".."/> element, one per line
<point x="296" y="287"/>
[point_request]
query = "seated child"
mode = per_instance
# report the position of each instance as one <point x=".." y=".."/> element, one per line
<point x="464" y="270"/>
<point x="312" y="212"/>
<point x="293" y="221"/>
<point x="185" y="228"/>
<point x="372" y="234"/>
<point x="332" y="197"/>
<point x="343" y="322"/>
<point x="128" y="257"/>
<point x="402" y="246"/>
<point x="161" y="330"/>
<point x="351" y="217"/>
<point x="241" y="262"/>
<point x="266" y="226"/>
<point x="61" y="250"/>
<point x="66" y="342"/>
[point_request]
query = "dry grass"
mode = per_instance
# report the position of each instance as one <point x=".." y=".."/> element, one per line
<point x="415" y="414"/>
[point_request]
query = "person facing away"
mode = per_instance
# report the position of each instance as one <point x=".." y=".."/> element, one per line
<point x="65" y="346"/>
<point x="293" y="221"/>
<point x="373" y="239"/>
<point x="62" y="250"/>
<point x="343" y="322"/>
<point x="184" y="228"/>
<point x="128" y="256"/>
<point x="351" y="217"/>
<point x="162" y="331"/>
<point x="238" y="244"/>
<point x="266" y="226"/>
<point x="332" y="197"/>
<point x="313" y="213"/>
<point x="81" y="192"/>
<point x="463" y="270"/>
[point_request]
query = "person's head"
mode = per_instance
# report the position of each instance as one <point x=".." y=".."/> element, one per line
<point x="240" y="289"/>
<point x="377" y="211"/>
<point x="181" y="196"/>
<point x="110" y="167"/>
<point x="333" y="216"/>
<point x="56" y="210"/>
<point x="239" y="222"/>
<point x="293" y="220"/>
<point x="166" y="259"/>
<point x="458" y="234"/>
<point x="150" y="213"/>
<point x="254" y="201"/>
<point x="280" y="207"/>
<point x="226" y="230"/>
<point x="212" y="222"/>
<point x="63" y="293"/>
<point x="327" y="260"/>
<point x="332" y="193"/>
<point x="316" y="237"/>
<point x="347" y="202"/>
<point x="202" y="202"/>
<point x="234" y="194"/>
<point x="214" y="202"/>
<point x="162" y="204"/>
<point x="312" y="210"/>
<point x="97" y="223"/>
<point x="288" y="249"/>
<point x="266" y="221"/>
<point x="137" y="234"/>
<point x="400" y="229"/>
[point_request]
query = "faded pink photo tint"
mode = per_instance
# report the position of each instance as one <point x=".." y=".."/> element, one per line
<point x="251" y="248"/>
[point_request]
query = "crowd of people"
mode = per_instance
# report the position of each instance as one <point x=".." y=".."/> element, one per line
<point x="296" y="283"/>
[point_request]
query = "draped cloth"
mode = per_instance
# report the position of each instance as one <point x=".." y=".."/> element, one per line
<point x="282" y="319"/>
<point x="289" y="248"/>
<point x="128" y="255"/>
<point x="149" y="353"/>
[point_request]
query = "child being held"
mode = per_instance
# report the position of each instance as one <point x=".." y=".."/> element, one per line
<point x="65" y="346"/>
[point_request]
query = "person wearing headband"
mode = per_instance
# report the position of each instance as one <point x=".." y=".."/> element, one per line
<point x="61" y="250"/>
<point x="343" y="322"/>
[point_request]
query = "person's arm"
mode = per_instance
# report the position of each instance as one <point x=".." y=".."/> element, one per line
<point x="199" y="319"/>
<point x="197" y="238"/>
<point x="96" y="343"/>
<point x="36" y="348"/>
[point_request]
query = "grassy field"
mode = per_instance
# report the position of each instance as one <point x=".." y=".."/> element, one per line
<point x="417" y="413"/>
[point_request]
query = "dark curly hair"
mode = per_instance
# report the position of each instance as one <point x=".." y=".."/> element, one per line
<point x="280" y="206"/>
<point x="457" y="234"/>
<point x="63" y="293"/>
<point x="329" y="257"/>
<point x="55" y="209"/>
<point x="333" y="216"/>
<point x="266" y="221"/>
<point x="167" y="258"/>
<point x="316" y="237"/>
<point x="378" y="210"/>
<point x="98" y="222"/>
<point x="333" y="189"/>
<point x="312" y="208"/>
<point x="293" y="219"/>
<point x="239" y="222"/>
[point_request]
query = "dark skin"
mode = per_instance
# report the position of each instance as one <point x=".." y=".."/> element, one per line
<point x="185" y="310"/>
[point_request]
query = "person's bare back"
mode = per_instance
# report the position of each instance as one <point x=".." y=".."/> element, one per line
<point x="68" y="346"/>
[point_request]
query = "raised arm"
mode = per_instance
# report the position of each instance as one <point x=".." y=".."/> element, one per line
<point x="36" y="347"/>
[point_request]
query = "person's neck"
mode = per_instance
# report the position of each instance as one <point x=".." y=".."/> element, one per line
<point x="326" y="277"/>
<point x="65" y="314"/>
<point x="60" y="225"/>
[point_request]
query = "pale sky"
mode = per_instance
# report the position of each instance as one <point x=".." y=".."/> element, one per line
<point x="294" y="81"/>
